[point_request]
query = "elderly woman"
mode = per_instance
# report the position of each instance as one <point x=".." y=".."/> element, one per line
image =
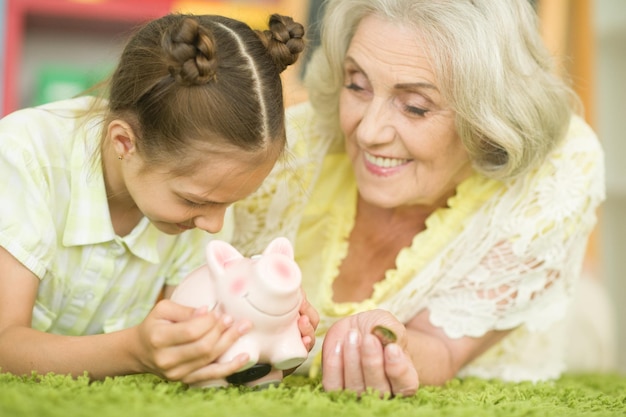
<point x="440" y="184"/>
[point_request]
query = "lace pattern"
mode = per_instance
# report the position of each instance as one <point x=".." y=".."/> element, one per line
<point x="276" y="207"/>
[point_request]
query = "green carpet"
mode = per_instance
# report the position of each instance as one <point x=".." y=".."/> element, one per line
<point x="145" y="395"/>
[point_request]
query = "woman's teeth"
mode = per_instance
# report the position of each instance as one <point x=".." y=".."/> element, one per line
<point x="384" y="162"/>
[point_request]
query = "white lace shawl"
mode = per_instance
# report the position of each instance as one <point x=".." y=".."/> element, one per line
<point x="514" y="264"/>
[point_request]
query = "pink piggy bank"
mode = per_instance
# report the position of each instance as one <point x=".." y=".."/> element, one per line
<point x="264" y="289"/>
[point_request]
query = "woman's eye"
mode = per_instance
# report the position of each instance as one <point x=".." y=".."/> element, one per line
<point x="354" y="87"/>
<point x="418" y="111"/>
<point x="356" y="80"/>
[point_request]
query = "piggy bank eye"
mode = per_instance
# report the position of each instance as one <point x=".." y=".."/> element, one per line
<point x="237" y="286"/>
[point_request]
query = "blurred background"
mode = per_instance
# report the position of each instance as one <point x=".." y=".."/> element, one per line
<point x="54" y="49"/>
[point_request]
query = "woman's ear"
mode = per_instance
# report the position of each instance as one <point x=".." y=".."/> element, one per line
<point x="122" y="138"/>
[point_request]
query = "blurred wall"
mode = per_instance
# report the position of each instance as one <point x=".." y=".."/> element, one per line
<point x="609" y="19"/>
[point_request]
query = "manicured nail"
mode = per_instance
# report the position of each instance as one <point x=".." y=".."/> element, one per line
<point x="338" y="348"/>
<point x="353" y="337"/>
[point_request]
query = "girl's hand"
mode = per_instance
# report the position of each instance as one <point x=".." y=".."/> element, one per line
<point x="355" y="359"/>
<point x="307" y="323"/>
<point x="182" y="343"/>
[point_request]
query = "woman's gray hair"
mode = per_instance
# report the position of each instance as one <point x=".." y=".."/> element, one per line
<point x="490" y="65"/>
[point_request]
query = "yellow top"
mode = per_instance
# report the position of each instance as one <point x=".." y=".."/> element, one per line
<point x="328" y="220"/>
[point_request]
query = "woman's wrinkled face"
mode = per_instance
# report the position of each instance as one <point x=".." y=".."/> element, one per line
<point x="175" y="203"/>
<point x="400" y="136"/>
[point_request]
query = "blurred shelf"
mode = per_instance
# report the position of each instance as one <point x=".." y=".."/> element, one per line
<point x="107" y="17"/>
<point x="86" y="35"/>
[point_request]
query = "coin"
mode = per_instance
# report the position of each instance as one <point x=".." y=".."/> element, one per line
<point x="384" y="334"/>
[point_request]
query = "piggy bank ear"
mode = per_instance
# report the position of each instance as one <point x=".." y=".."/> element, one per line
<point x="219" y="253"/>
<point x="280" y="245"/>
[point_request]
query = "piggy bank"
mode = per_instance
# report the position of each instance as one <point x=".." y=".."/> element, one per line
<point x="264" y="289"/>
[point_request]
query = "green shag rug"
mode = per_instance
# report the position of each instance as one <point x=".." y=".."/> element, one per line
<point x="297" y="396"/>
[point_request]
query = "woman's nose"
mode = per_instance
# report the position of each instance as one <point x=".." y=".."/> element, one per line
<point x="375" y="126"/>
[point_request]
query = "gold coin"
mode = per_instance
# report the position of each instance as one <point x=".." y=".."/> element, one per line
<point x="384" y="334"/>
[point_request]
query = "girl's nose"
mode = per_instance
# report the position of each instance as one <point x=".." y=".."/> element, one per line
<point x="212" y="221"/>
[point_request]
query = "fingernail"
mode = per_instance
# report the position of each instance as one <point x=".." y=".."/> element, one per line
<point x="353" y="337"/>
<point x="227" y="320"/>
<point x="338" y="348"/>
<point x="244" y="327"/>
<point x="393" y="352"/>
<point x="369" y="342"/>
<point x="242" y="357"/>
<point x="199" y="311"/>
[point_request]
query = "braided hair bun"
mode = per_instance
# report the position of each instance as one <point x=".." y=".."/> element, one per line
<point x="284" y="40"/>
<point x="189" y="49"/>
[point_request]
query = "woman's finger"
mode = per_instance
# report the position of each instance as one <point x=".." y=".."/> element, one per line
<point x="332" y="364"/>
<point x="353" y="372"/>
<point x="400" y="371"/>
<point x="373" y="365"/>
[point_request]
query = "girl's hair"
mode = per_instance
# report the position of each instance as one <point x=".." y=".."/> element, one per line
<point x="184" y="78"/>
<point x="490" y="65"/>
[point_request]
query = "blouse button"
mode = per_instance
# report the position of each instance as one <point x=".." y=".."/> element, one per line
<point x="117" y="249"/>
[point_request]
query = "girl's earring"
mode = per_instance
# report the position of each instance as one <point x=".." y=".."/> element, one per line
<point x="120" y="157"/>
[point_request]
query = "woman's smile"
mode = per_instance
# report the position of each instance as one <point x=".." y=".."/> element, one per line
<point x="383" y="166"/>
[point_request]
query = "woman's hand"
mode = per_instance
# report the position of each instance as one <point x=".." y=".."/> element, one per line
<point x="354" y="359"/>
<point x="182" y="343"/>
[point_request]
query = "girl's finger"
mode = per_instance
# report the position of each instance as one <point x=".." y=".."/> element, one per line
<point x="191" y="330"/>
<point x="307" y="331"/>
<point x="306" y="309"/>
<point x="183" y="359"/>
<point x="216" y="370"/>
<point x="173" y="312"/>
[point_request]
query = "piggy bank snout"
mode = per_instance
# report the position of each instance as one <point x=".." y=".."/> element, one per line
<point x="277" y="288"/>
<point x="279" y="273"/>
